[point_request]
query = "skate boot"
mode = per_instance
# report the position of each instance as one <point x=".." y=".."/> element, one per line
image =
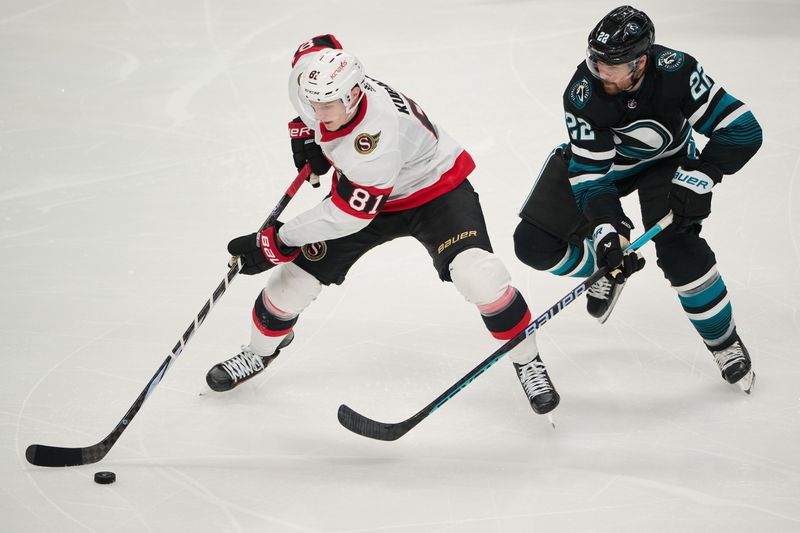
<point x="228" y="374"/>
<point x="602" y="297"/>
<point x="541" y="393"/>
<point x="734" y="363"/>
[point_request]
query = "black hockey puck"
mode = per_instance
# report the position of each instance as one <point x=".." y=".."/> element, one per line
<point x="105" y="478"/>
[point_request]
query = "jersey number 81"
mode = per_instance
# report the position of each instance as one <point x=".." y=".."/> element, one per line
<point x="360" y="199"/>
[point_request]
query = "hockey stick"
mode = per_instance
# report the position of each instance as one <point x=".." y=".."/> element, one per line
<point x="358" y="423"/>
<point x="43" y="455"/>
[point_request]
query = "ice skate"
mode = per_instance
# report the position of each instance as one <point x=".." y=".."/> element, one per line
<point x="230" y="373"/>
<point x="541" y="393"/>
<point x="734" y="363"/>
<point x="602" y="297"/>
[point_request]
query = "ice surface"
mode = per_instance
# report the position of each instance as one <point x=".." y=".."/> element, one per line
<point x="137" y="138"/>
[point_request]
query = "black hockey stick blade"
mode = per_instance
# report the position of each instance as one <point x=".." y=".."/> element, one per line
<point x="366" y="427"/>
<point x="43" y="455"/>
<point x="360" y="424"/>
<point x="373" y="429"/>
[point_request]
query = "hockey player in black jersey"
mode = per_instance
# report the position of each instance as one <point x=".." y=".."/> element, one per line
<point x="630" y="110"/>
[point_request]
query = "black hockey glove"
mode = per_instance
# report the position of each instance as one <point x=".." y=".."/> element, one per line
<point x="690" y="195"/>
<point x="609" y="245"/>
<point x="305" y="150"/>
<point x="262" y="251"/>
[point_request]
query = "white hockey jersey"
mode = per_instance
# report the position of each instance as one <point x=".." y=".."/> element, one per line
<point x="389" y="157"/>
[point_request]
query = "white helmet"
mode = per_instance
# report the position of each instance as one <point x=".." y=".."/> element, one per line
<point x="330" y="76"/>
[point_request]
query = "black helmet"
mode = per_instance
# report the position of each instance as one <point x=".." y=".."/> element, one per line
<point x="622" y="36"/>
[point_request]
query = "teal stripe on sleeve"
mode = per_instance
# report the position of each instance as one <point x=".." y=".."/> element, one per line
<point x="578" y="168"/>
<point x="743" y="130"/>
<point x="722" y="105"/>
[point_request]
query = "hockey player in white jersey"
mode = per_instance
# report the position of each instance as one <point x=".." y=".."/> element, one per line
<point x="396" y="174"/>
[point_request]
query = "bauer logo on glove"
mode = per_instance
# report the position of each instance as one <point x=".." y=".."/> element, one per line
<point x="690" y="195"/>
<point x="693" y="179"/>
<point x="262" y="251"/>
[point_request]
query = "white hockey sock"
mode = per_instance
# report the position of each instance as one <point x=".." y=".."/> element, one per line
<point x="525" y="351"/>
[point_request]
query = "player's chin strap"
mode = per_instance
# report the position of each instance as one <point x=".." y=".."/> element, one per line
<point x="358" y="423"/>
<point x="635" y="80"/>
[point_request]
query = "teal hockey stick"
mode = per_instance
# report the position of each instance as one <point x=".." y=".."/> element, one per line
<point x="358" y="423"/>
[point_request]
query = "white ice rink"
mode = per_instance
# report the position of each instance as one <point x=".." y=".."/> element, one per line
<point x="137" y="137"/>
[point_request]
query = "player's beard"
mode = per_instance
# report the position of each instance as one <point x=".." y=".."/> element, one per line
<point x="613" y="89"/>
<point x="630" y="83"/>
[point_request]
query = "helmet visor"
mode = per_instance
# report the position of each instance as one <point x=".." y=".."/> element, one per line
<point x="610" y="72"/>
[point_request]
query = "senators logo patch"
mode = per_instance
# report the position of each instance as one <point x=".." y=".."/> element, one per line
<point x="314" y="251"/>
<point x="366" y="143"/>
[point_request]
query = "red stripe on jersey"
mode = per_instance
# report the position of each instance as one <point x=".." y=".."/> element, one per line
<point x="268" y="332"/>
<point x="364" y="207"/>
<point x="451" y="179"/>
<point x="513" y="332"/>
<point x="347" y="128"/>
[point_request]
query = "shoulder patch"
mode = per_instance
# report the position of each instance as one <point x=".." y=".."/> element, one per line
<point x="366" y="143"/>
<point x="580" y="92"/>
<point x="669" y="60"/>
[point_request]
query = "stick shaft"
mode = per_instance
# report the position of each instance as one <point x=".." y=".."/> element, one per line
<point x="367" y="427"/>
<point x="43" y="455"/>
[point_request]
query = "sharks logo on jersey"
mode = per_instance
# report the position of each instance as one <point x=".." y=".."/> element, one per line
<point x="669" y="60"/>
<point x="580" y="93"/>
<point x="643" y="139"/>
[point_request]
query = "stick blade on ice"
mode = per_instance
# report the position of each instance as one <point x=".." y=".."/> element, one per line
<point x="42" y="455"/>
<point x="367" y="427"/>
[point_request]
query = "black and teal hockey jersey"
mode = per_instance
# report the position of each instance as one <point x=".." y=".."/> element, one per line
<point x="613" y="137"/>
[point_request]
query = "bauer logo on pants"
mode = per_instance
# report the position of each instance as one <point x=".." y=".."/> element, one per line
<point x="454" y="239"/>
<point x="314" y="251"/>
